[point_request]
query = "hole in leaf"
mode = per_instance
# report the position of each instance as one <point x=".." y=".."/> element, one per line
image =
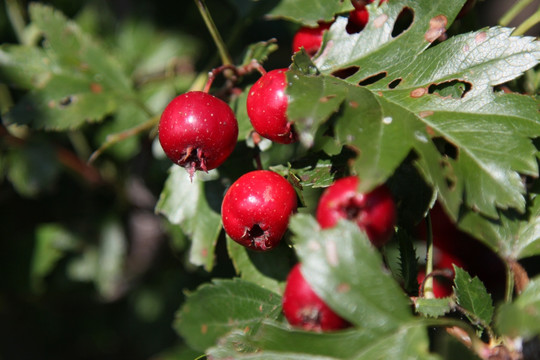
<point x="403" y="21"/>
<point x="66" y="101"/>
<point x="445" y="147"/>
<point x="372" y="79"/>
<point x="394" y="83"/>
<point x="346" y="72"/>
<point x="455" y="89"/>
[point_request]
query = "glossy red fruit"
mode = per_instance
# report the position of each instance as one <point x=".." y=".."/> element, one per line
<point x="303" y="308"/>
<point x="309" y="38"/>
<point x="267" y="105"/>
<point x="374" y="212"/>
<point x="256" y="209"/>
<point x="358" y="19"/>
<point x="198" y="131"/>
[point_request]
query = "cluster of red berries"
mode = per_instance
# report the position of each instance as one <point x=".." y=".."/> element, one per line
<point x="199" y="132"/>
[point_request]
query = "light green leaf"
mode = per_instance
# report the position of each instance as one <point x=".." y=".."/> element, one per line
<point x="433" y="307"/>
<point x="434" y="102"/>
<point x="185" y="202"/>
<point x="471" y="294"/>
<point x="275" y="341"/>
<point x="515" y="236"/>
<point x="522" y="316"/>
<point x="218" y="308"/>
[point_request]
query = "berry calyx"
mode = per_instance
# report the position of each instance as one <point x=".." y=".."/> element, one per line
<point x="256" y="209"/>
<point x="303" y="308"/>
<point x="373" y="212"/>
<point x="309" y="38"/>
<point x="267" y="105"/>
<point x="197" y="131"/>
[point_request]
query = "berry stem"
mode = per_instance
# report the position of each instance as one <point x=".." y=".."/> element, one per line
<point x="528" y="23"/>
<point x="15" y="13"/>
<point x="428" y="281"/>
<point x="223" y="52"/>
<point x="113" y="139"/>
<point x="513" y="12"/>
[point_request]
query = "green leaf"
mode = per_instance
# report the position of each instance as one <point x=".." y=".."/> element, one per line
<point x="522" y="316"/>
<point x="346" y="271"/>
<point x="53" y="242"/>
<point x="471" y="294"/>
<point x="217" y="308"/>
<point x="186" y="202"/>
<point x="75" y="49"/>
<point x="433" y="307"/>
<point x="32" y="168"/>
<point x="260" y="51"/>
<point x="111" y="260"/>
<point x="268" y="269"/>
<point x="275" y="341"/>
<point x="408" y="262"/>
<point x="515" y="236"/>
<point x="309" y="12"/>
<point x="24" y="66"/>
<point x="444" y="111"/>
<point x="73" y="79"/>
<point x="65" y="102"/>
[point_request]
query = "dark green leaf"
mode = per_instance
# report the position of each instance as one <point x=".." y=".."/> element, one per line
<point x="471" y="294"/>
<point x="433" y="307"/>
<point x="32" y="168"/>
<point x="346" y="271"/>
<point x="53" y="242"/>
<point x="309" y="12"/>
<point x="184" y="202"/>
<point x="522" y="316"/>
<point x="218" y="308"/>
<point x="408" y="262"/>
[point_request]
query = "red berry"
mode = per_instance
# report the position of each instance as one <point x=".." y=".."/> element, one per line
<point x="309" y="38"/>
<point x="198" y="131"/>
<point x="256" y="209"/>
<point x="374" y="212"/>
<point x="303" y="308"/>
<point x="267" y="105"/>
<point x="358" y="18"/>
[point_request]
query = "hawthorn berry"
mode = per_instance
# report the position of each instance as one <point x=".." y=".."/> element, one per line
<point x="256" y="209"/>
<point x="309" y="38"/>
<point x="303" y="308"/>
<point x="198" y="131"/>
<point x="267" y="105"/>
<point x="358" y="19"/>
<point x="374" y="212"/>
